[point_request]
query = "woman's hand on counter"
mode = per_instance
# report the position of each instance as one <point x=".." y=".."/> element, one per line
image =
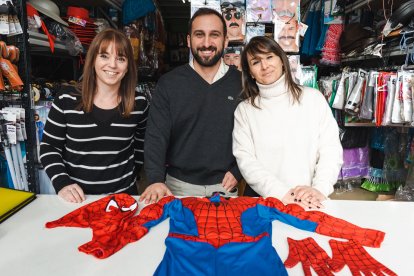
<point x="72" y="193"/>
<point x="307" y="197"/>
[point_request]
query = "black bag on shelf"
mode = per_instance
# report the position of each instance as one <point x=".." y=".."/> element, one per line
<point x="354" y="137"/>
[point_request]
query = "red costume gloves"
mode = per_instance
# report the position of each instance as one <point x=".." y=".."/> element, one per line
<point x="358" y="260"/>
<point x="349" y="253"/>
<point x="310" y="254"/>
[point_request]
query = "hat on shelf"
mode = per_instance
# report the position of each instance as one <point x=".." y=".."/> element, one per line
<point x="48" y="8"/>
<point x="81" y="24"/>
<point x="79" y="14"/>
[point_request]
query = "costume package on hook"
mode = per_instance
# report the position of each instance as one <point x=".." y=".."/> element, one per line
<point x="287" y="34"/>
<point x="286" y="19"/>
<point x="254" y="29"/>
<point x="259" y="11"/>
<point x="367" y="106"/>
<point x="407" y="96"/>
<point x="284" y="10"/>
<point x="4" y="18"/>
<point x="339" y="100"/>
<point x="10" y="123"/>
<point x="295" y="68"/>
<point x="396" y="116"/>
<point x="234" y="14"/>
<point x="212" y="4"/>
<point x="355" y="97"/>
<point x="9" y="22"/>
<point x="232" y="56"/>
<point x="391" y="87"/>
<point x="309" y="76"/>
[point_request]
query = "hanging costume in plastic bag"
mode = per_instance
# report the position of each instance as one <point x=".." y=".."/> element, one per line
<point x="207" y="236"/>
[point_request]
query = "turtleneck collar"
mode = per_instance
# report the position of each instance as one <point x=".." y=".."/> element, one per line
<point x="275" y="89"/>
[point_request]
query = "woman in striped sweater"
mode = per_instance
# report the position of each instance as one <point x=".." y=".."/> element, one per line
<point x="93" y="138"/>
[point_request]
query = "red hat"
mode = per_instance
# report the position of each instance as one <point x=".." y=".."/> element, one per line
<point x="78" y="12"/>
<point x="80" y="23"/>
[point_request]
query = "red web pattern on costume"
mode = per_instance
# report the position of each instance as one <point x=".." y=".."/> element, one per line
<point x="335" y="227"/>
<point x="219" y="224"/>
<point x="110" y="221"/>
<point x="94" y="214"/>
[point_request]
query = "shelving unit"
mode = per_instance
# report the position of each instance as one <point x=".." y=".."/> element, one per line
<point x="39" y="39"/>
<point x="357" y="124"/>
<point x="32" y="44"/>
<point x="390" y="52"/>
<point x="22" y="42"/>
<point x="372" y="4"/>
<point x="357" y="4"/>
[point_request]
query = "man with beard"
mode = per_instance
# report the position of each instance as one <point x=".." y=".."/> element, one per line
<point x="188" y="146"/>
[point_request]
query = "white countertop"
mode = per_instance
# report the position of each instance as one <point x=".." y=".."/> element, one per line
<point x="28" y="248"/>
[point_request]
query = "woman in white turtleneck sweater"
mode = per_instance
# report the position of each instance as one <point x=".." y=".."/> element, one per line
<point x="285" y="138"/>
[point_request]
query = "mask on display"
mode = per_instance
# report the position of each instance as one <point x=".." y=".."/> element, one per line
<point x="197" y="4"/>
<point x="232" y="56"/>
<point x="234" y="15"/>
<point x="254" y="29"/>
<point x="259" y="11"/>
<point x="287" y="34"/>
<point x="295" y="68"/>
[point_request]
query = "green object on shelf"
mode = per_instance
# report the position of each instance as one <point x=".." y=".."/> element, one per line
<point x="373" y="185"/>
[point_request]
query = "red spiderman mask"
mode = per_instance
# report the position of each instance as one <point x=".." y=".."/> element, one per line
<point x="105" y="217"/>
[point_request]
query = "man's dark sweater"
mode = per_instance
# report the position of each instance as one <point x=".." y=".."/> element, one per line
<point x="190" y="124"/>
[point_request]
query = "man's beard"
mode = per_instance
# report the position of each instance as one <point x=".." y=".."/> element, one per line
<point x="207" y="62"/>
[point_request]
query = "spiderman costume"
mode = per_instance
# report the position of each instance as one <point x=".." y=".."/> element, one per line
<point x="208" y="236"/>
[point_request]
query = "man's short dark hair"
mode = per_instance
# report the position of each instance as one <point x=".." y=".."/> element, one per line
<point x="207" y="11"/>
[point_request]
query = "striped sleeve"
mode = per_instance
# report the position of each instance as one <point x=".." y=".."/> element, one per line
<point x="53" y="142"/>
<point x="142" y="105"/>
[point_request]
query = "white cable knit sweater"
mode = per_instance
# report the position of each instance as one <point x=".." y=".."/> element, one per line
<point x="283" y="145"/>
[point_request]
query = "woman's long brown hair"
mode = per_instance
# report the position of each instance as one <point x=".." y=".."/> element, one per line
<point x="265" y="45"/>
<point x="128" y="83"/>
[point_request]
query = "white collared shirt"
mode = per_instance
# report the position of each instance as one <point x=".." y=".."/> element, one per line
<point x="220" y="72"/>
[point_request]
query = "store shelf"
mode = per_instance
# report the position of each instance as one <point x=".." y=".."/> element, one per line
<point x="39" y="39"/>
<point x="390" y="52"/>
<point x="356" y="5"/>
<point x="373" y="5"/>
<point x="364" y="124"/>
<point x="40" y="45"/>
<point x="356" y="124"/>
<point x="116" y="4"/>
